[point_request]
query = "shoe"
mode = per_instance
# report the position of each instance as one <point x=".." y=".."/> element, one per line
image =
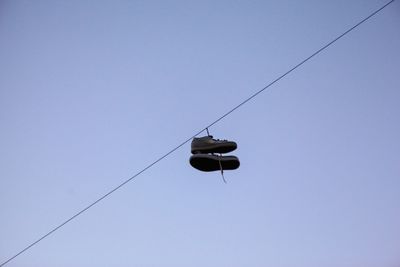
<point x="207" y="144"/>
<point x="209" y="163"/>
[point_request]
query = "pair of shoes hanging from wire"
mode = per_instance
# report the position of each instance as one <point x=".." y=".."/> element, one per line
<point x="205" y="156"/>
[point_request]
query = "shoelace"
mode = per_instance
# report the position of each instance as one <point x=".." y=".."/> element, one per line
<point x="220" y="167"/>
<point x="219" y="157"/>
<point x="219" y="140"/>
<point x="212" y="137"/>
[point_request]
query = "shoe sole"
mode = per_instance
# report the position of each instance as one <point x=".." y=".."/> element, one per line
<point x="216" y="148"/>
<point x="209" y="163"/>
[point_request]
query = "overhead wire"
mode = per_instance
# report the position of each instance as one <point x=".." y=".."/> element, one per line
<point x="197" y="133"/>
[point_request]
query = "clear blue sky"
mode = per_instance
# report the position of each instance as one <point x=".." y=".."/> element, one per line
<point x="93" y="91"/>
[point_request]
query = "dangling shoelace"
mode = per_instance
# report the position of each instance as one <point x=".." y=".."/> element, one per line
<point x="220" y="167"/>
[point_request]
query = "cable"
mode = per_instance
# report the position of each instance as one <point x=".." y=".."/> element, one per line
<point x="199" y="132"/>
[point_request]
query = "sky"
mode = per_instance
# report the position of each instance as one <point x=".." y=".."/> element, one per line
<point x="91" y="92"/>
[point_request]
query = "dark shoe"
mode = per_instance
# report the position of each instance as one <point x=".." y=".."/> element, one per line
<point x="209" y="163"/>
<point x="207" y="144"/>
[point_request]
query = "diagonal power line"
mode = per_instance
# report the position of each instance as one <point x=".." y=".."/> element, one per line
<point x="199" y="132"/>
